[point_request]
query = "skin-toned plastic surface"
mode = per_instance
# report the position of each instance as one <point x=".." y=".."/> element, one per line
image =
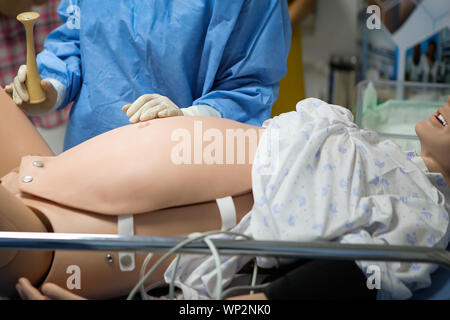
<point x="129" y="167"/>
<point x="15" y="216"/>
<point x="99" y="279"/>
<point x="134" y="169"/>
<point x="18" y="136"/>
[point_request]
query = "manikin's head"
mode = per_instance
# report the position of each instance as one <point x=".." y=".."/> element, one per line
<point x="434" y="135"/>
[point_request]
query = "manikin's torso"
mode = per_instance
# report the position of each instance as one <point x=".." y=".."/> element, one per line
<point x="125" y="171"/>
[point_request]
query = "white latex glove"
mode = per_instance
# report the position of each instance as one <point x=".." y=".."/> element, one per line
<point x="19" y="93"/>
<point x="151" y="106"/>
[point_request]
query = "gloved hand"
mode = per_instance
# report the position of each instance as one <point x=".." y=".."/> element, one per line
<point x="19" y="93"/>
<point x="151" y="106"/>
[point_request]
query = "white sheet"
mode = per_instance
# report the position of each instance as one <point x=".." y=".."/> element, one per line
<point x="331" y="181"/>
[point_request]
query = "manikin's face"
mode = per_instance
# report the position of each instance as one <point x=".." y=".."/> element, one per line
<point x="434" y="135"/>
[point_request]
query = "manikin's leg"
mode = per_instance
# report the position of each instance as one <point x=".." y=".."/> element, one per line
<point x="100" y="280"/>
<point x="14" y="217"/>
<point x="18" y="136"/>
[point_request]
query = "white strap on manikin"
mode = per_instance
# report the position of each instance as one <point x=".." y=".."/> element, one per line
<point x="125" y="227"/>
<point x="227" y="212"/>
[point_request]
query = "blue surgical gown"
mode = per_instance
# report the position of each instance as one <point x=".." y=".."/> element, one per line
<point x="229" y="55"/>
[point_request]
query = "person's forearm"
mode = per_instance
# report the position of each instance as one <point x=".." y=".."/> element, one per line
<point x="299" y="10"/>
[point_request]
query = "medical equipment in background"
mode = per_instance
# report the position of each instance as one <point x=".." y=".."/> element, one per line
<point x="33" y="80"/>
<point x="343" y="72"/>
<point x="393" y="108"/>
<point x="385" y="50"/>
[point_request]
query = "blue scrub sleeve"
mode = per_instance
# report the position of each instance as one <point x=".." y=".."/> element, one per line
<point x="61" y="57"/>
<point x="253" y="63"/>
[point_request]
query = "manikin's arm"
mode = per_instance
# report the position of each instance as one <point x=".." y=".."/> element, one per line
<point x="51" y="291"/>
<point x="48" y="291"/>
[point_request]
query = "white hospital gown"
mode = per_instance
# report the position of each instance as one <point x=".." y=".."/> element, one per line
<point x="327" y="180"/>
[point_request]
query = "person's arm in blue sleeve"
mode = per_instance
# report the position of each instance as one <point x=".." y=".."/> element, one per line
<point x="60" y="61"/>
<point x="253" y="63"/>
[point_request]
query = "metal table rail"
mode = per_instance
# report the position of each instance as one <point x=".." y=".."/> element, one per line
<point x="284" y="249"/>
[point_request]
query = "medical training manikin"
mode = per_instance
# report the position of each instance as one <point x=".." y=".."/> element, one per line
<point x="322" y="179"/>
<point x="94" y="188"/>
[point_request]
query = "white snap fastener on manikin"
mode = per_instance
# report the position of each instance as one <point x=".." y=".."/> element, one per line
<point x="27" y="179"/>
<point x="109" y="258"/>
<point x="38" y="164"/>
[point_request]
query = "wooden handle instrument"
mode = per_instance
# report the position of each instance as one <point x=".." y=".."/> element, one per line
<point x="33" y="81"/>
